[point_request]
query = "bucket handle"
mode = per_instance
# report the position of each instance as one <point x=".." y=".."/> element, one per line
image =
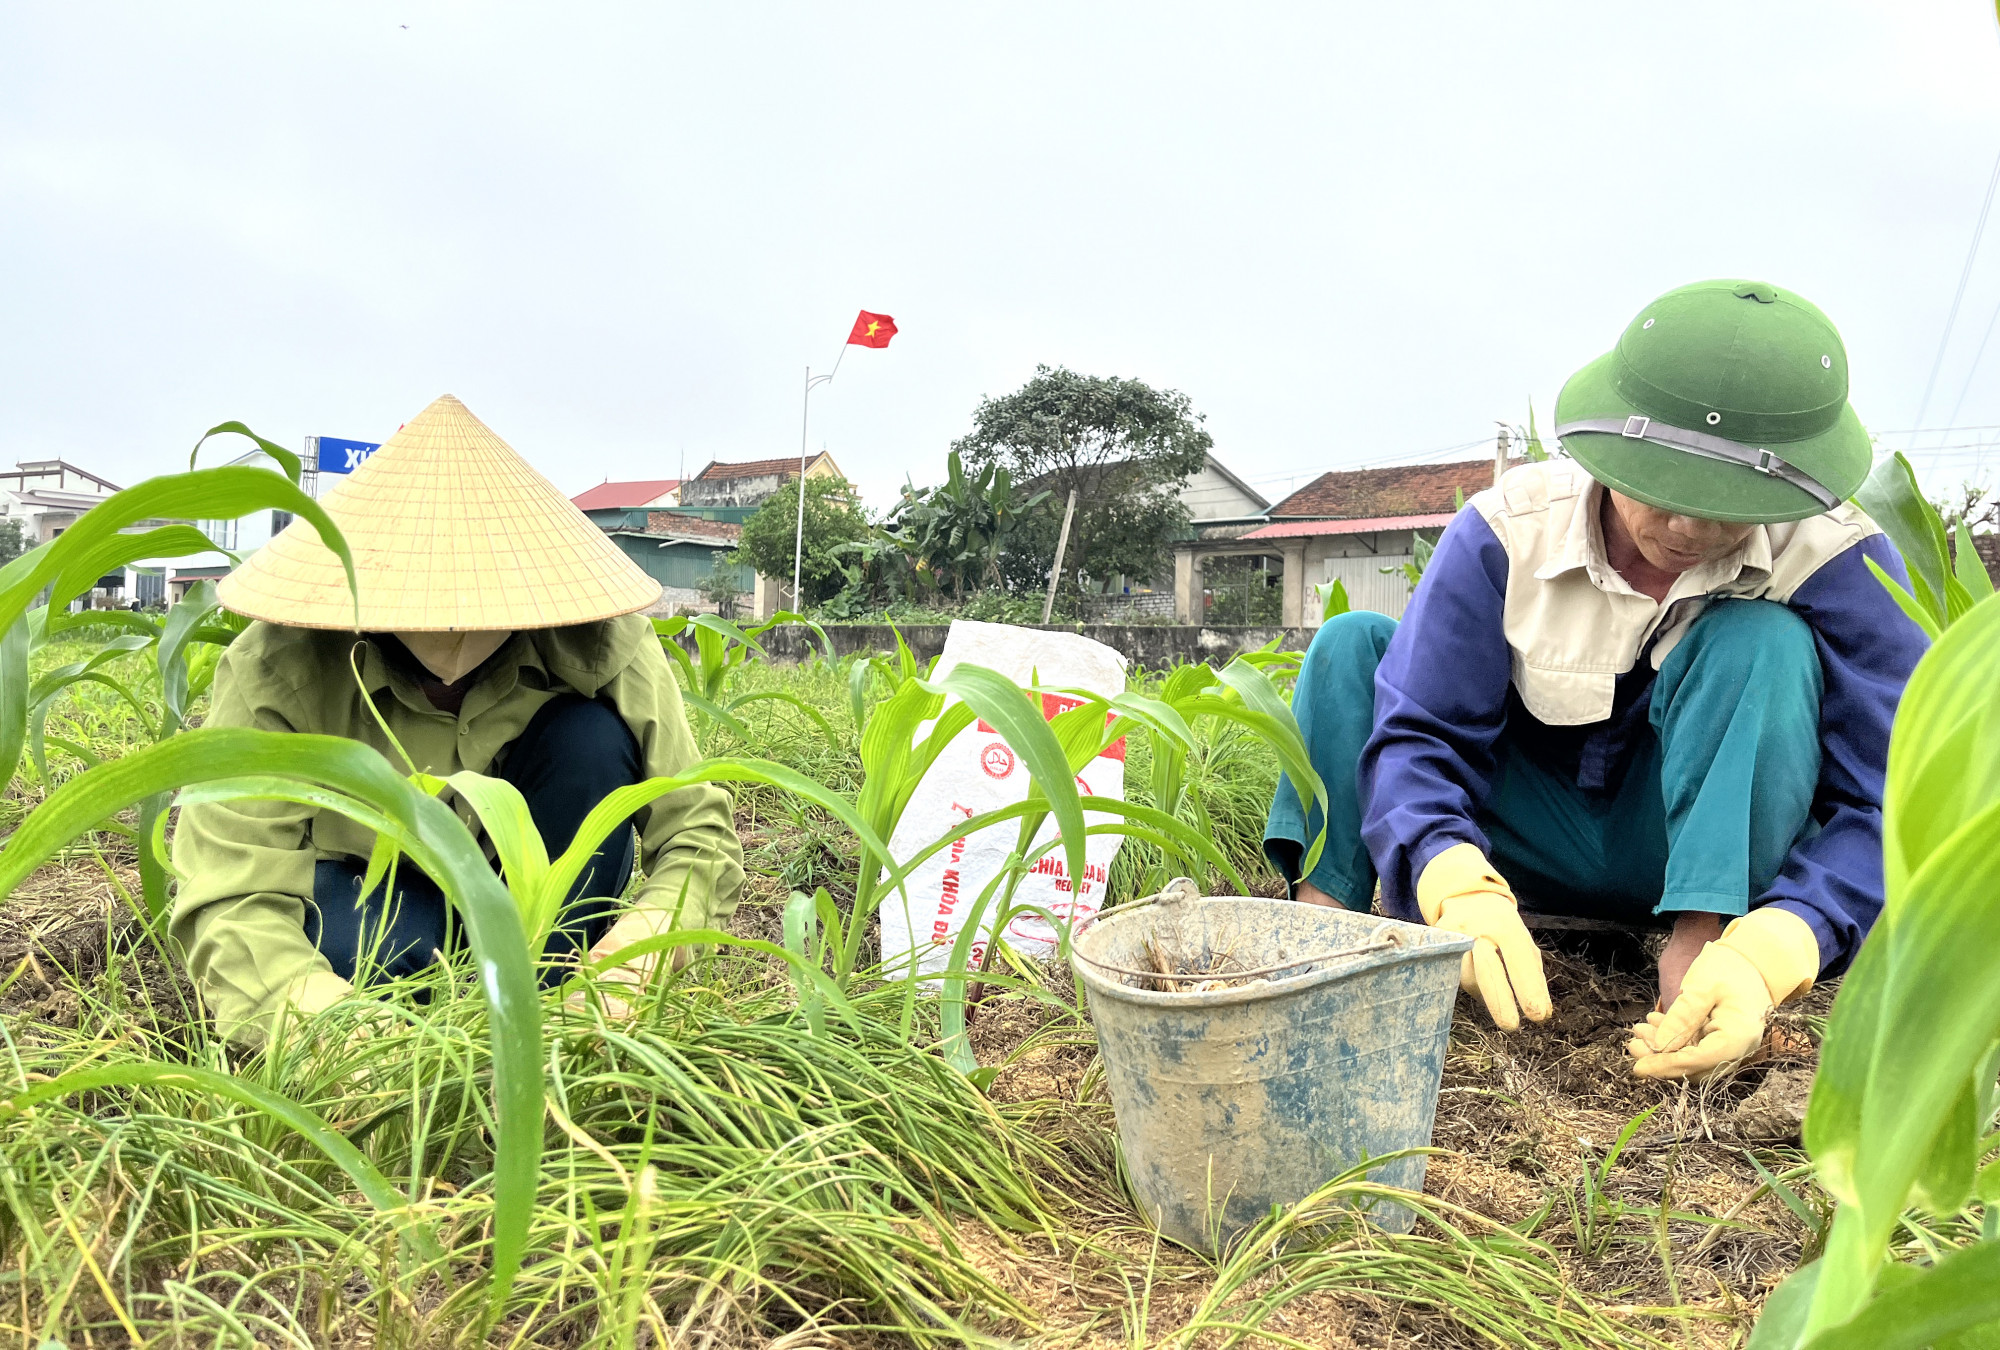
<point x="1182" y="890"/>
<point x="1384" y="943"/>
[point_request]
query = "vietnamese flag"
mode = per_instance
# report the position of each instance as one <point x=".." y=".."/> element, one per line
<point x="872" y="330"/>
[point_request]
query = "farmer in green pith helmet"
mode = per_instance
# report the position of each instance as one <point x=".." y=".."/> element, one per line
<point x="1654" y="678"/>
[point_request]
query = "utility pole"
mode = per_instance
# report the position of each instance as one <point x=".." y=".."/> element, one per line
<point x="1500" y="445"/>
<point x="1062" y="546"/>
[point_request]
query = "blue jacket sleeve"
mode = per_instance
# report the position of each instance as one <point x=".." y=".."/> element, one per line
<point x="1440" y="703"/>
<point x="1867" y="649"/>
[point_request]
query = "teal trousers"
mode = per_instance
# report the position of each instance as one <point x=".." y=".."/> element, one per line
<point x="1717" y="785"/>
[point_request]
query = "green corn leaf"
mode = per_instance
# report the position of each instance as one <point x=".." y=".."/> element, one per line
<point x="800" y="934"/>
<point x="153" y="870"/>
<point x="436" y="840"/>
<point x="1919" y="1008"/>
<point x="1783" y="1322"/>
<point x="524" y="859"/>
<point x="1893" y="500"/>
<point x="1960" y="1292"/>
<point x="1966" y="565"/>
<point x="102" y="618"/>
<point x="184" y="620"/>
<point x="1264" y="711"/>
<point x="858" y="676"/>
<point x="1920" y="613"/>
<point x="619" y="807"/>
<point x="1336" y="601"/>
<point x="14" y="644"/>
<point x="80" y="572"/>
<point x="795" y="703"/>
<point x="1951" y="1163"/>
<point x="208" y="1082"/>
<point x="1009" y="710"/>
<point x="287" y="461"/>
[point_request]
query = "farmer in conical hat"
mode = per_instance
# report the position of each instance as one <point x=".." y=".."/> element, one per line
<point x="1654" y="678"/>
<point x="498" y="635"/>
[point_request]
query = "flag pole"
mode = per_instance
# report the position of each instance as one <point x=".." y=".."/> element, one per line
<point x="805" y="421"/>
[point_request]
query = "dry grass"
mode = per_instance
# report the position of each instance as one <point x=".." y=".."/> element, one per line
<point x="1521" y="1119"/>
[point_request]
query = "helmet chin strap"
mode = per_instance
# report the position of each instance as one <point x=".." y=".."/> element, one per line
<point x="453" y="656"/>
<point x="1707" y="447"/>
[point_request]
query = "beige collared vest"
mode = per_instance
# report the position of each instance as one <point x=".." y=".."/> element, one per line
<point x="1574" y="626"/>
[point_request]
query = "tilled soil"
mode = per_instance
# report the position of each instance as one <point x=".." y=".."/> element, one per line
<point x="1523" y="1117"/>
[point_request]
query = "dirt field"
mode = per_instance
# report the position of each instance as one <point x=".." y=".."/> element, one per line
<point x="1523" y="1121"/>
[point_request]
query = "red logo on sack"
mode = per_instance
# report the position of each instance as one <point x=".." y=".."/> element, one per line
<point x="1061" y="703"/>
<point x="997" y="760"/>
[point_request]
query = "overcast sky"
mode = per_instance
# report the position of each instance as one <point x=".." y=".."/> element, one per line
<point x="620" y="232"/>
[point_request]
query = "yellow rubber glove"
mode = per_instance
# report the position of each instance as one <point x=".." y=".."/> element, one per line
<point x="1461" y="893"/>
<point x="312" y="994"/>
<point x="635" y="925"/>
<point x="1761" y="960"/>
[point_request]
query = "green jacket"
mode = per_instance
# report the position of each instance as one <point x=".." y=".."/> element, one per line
<point x="247" y="866"/>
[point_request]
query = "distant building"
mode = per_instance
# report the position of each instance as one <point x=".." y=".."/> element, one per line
<point x="47" y="496"/>
<point x="612" y="505"/>
<point x="1345" y="526"/>
<point x="682" y="553"/>
<point x="1214" y="497"/>
<point x="733" y="491"/>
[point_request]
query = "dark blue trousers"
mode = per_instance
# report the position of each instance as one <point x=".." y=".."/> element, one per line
<point x="572" y="754"/>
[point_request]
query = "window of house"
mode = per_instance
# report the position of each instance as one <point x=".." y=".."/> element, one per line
<point x="279" y="519"/>
<point x="221" y="533"/>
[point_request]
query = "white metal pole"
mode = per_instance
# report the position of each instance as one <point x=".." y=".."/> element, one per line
<point x="805" y="419"/>
<point x="799" y="542"/>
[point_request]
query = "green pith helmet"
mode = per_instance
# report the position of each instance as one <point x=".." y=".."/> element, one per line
<point x="1725" y="400"/>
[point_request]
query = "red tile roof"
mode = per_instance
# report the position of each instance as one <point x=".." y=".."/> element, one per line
<point x="1404" y="490"/>
<point x="1294" y="529"/>
<point x="609" y="496"/>
<point x="692" y="527"/>
<point x="755" y="468"/>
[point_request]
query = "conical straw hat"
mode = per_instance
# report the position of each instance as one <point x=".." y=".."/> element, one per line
<point x="450" y="529"/>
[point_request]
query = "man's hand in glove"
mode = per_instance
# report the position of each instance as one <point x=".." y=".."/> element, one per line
<point x="1760" y="961"/>
<point x="1460" y="892"/>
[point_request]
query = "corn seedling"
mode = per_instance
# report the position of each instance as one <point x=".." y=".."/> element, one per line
<point x="1905" y="1094"/>
<point x="1595" y="1210"/>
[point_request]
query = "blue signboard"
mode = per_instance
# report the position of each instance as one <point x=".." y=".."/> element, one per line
<point x="338" y="456"/>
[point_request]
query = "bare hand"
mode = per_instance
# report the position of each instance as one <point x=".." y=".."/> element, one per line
<point x="1693" y="930"/>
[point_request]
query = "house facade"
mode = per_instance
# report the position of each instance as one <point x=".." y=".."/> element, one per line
<point x="731" y="491"/>
<point x="1358" y="527"/>
<point x="47" y="496"/>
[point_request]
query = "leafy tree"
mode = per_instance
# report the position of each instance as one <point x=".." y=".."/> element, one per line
<point x="1124" y="447"/>
<point x="11" y="543"/>
<point x="832" y="520"/>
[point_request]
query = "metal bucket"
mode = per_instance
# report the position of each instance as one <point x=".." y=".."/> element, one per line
<point x="1232" y="1100"/>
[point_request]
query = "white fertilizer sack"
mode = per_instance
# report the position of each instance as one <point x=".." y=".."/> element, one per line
<point x="980" y="772"/>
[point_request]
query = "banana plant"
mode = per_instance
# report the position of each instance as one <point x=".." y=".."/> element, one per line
<point x="1904" y="1101"/>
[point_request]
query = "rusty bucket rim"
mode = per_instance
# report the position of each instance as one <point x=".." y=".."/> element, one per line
<point x="1434" y="945"/>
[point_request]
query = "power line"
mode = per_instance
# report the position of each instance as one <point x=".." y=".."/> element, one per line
<point x="1973" y="369"/>
<point x="1964" y="275"/>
